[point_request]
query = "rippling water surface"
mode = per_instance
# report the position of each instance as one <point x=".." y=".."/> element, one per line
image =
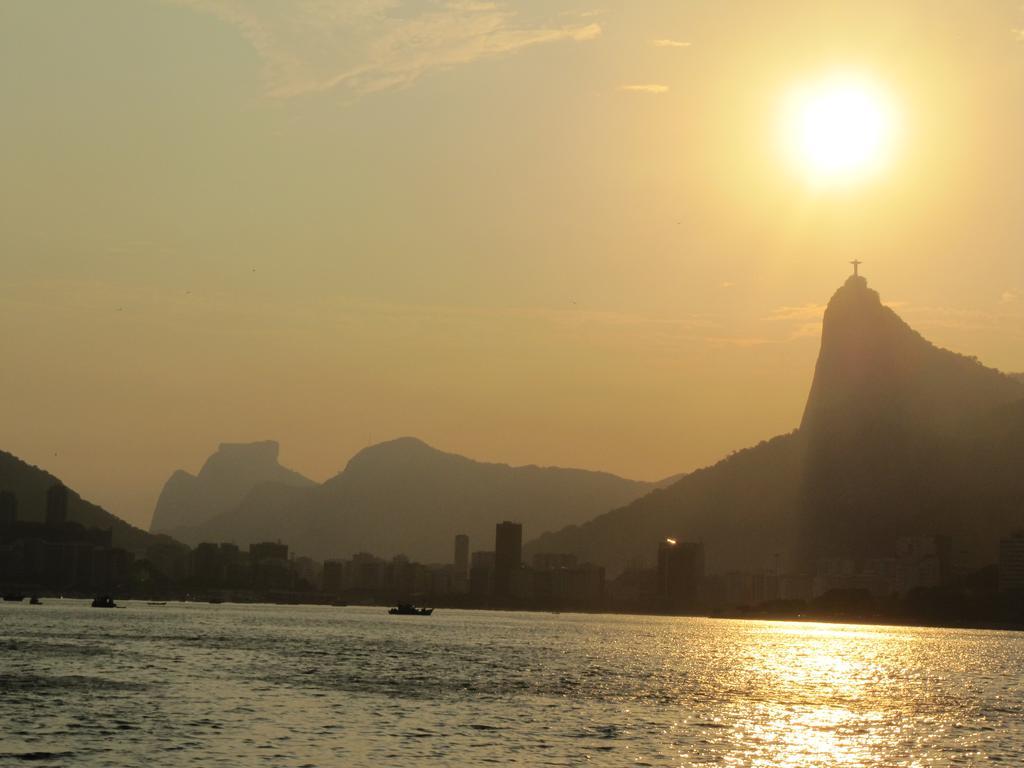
<point x="192" y="684"/>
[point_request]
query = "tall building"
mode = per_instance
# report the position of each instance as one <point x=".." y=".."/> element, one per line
<point x="508" y="556"/>
<point x="269" y="566"/>
<point x="207" y="565"/>
<point x="365" y="572"/>
<point x="481" y="574"/>
<point x="57" y="504"/>
<point x="334" y="576"/>
<point x="461" y="556"/>
<point x="924" y="561"/>
<point x="8" y="508"/>
<point x="1011" y="563"/>
<point x="268" y="550"/>
<point x="680" y="573"/>
<point x="548" y="561"/>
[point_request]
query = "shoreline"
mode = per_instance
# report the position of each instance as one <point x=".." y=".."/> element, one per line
<point x="873" y="620"/>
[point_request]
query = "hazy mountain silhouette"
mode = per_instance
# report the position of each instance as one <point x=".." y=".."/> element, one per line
<point x="226" y="478"/>
<point x="873" y="366"/>
<point x="404" y="496"/>
<point x="898" y="437"/>
<point x="896" y="434"/>
<point x="30" y="484"/>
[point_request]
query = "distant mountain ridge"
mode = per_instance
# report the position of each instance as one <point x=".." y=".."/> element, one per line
<point x="223" y="482"/>
<point x="30" y="485"/>
<point x="898" y="437"/>
<point x="405" y="497"/>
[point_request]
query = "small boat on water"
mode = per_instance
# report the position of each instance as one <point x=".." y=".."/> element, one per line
<point x="407" y="609"/>
<point x="34" y="601"/>
<point x="104" y="601"/>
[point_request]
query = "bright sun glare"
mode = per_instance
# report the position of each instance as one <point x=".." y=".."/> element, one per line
<point x="839" y="129"/>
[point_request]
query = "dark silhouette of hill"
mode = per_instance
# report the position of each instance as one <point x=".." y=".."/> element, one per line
<point x="874" y="367"/>
<point x="898" y="437"/>
<point x="30" y="484"/>
<point x="405" y="497"/>
<point x="896" y="433"/>
<point x="744" y="508"/>
<point x="226" y="478"/>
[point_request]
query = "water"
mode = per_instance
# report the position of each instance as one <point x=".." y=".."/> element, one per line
<point x="207" y="685"/>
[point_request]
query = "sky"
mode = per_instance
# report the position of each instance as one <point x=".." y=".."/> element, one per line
<point x="538" y="232"/>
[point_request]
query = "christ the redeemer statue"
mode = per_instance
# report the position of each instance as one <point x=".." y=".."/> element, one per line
<point x="856" y="263"/>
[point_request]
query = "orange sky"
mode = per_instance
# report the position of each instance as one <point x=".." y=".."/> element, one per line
<point x="553" y="233"/>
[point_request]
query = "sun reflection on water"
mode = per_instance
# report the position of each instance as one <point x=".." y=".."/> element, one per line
<point x="820" y="695"/>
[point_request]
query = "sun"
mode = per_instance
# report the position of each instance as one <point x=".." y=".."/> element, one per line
<point x="839" y="129"/>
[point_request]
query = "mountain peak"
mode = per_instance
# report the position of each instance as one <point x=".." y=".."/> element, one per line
<point x="407" y="453"/>
<point x="871" y="363"/>
<point x="260" y="453"/>
<point x="856" y="287"/>
<point x="400" y="447"/>
<point x="226" y="477"/>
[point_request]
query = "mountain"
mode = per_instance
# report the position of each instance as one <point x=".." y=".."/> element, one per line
<point x="406" y="497"/>
<point x="894" y="427"/>
<point x="898" y="437"/>
<point x="873" y="366"/>
<point x="30" y="484"/>
<point x="226" y="478"/>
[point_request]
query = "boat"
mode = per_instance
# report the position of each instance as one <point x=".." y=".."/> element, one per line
<point x="104" y="601"/>
<point x="34" y="601"/>
<point x="406" y="609"/>
<point x="13" y="598"/>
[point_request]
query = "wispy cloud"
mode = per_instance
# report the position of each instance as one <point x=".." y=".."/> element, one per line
<point x="799" y="322"/>
<point x="1008" y="297"/>
<point x="654" y="88"/>
<point x="741" y="342"/>
<point x="364" y="46"/>
<point x="667" y="43"/>
<point x="802" y="313"/>
<point x="1007" y="318"/>
<point x="593" y="13"/>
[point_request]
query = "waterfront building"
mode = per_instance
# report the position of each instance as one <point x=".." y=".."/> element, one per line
<point x="8" y="508"/>
<point x="268" y="550"/>
<point x="508" y="556"/>
<point x="680" y="573"/>
<point x="461" y="555"/>
<point x="460" y="571"/>
<point x="1011" y="563"/>
<point x="269" y="564"/>
<point x="545" y="561"/>
<point x="365" y="573"/>
<point x="334" y="576"/>
<point x="481" y="574"/>
<point x="57" y="504"/>
<point x="924" y="561"/>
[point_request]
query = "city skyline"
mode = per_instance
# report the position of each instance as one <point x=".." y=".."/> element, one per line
<point x="474" y="382"/>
